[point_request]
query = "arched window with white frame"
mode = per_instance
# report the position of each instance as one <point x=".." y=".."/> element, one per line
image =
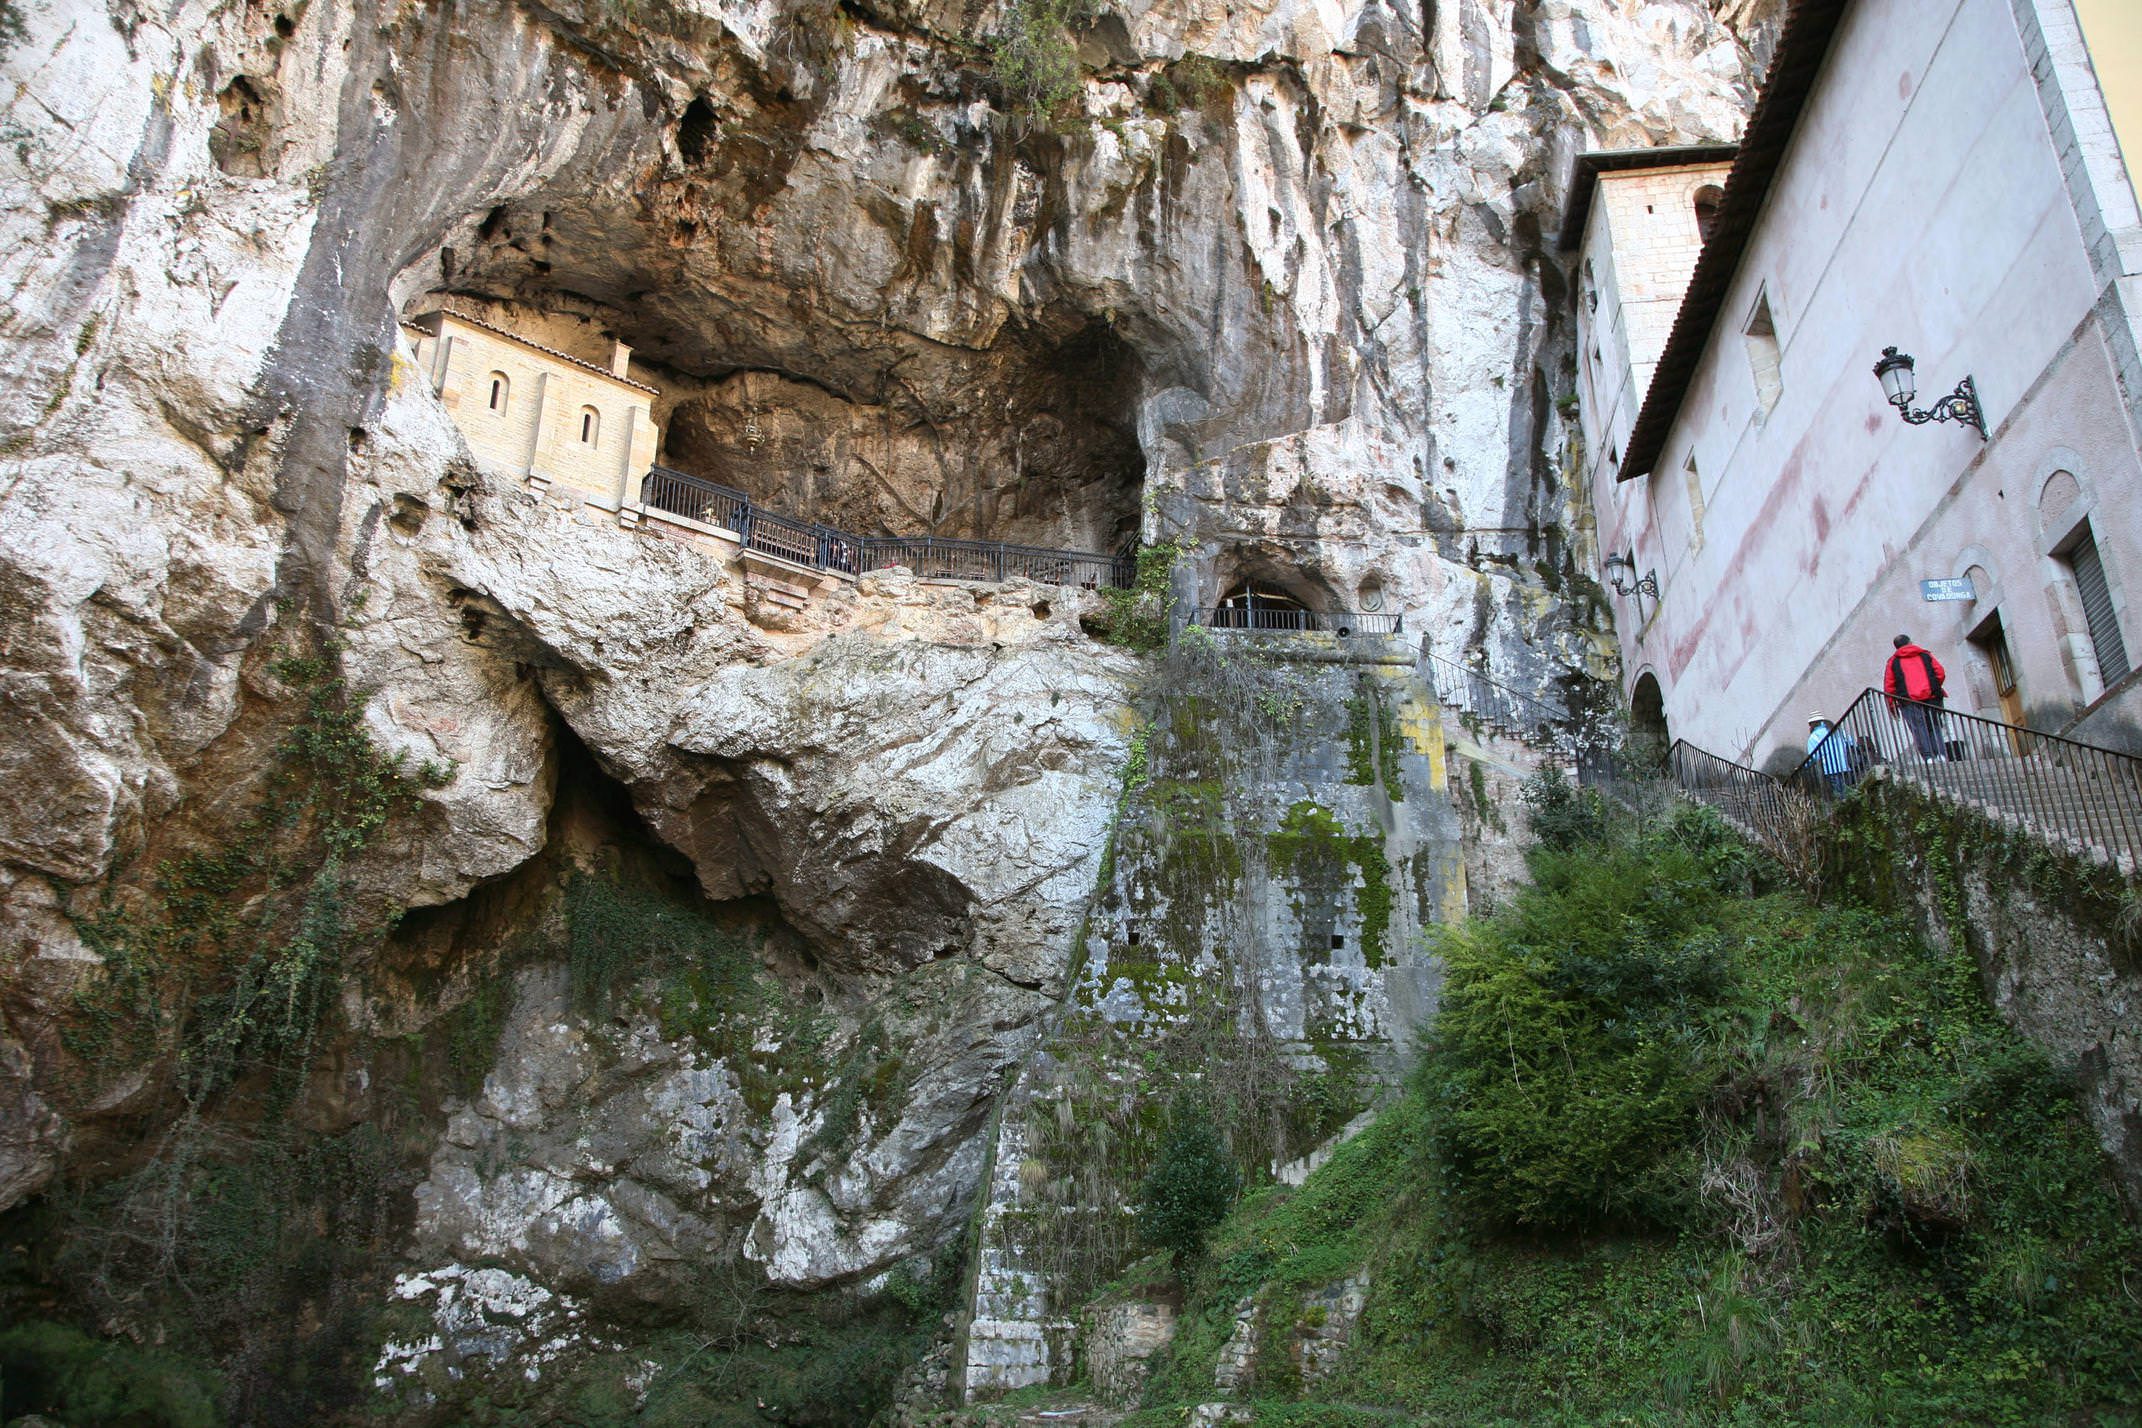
<point x="590" y="426"/>
<point x="501" y="389"/>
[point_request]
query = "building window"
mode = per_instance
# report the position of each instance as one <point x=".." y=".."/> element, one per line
<point x="1706" y="203"/>
<point x="1764" y="357"/>
<point x="590" y="426"/>
<point x="2088" y="570"/>
<point x="499" y="388"/>
<point x="1694" y="478"/>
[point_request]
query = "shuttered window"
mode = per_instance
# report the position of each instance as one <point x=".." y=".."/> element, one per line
<point x="2089" y="571"/>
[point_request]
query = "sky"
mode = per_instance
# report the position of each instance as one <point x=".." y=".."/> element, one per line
<point x="2114" y="31"/>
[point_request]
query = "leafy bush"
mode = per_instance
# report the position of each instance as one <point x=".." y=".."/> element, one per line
<point x="1190" y="1188"/>
<point x="1774" y="1163"/>
<point x="257" y="1249"/>
<point x="1561" y="814"/>
<point x="1137" y="618"/>
<point x="1188" y="83"/>
<point x="1033" y="57"/>
<point x="1568" y="1065"/>
<point x="51" y="1369"/>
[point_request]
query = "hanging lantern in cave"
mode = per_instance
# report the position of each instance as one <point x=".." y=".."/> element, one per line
<point x="752" y="434"/>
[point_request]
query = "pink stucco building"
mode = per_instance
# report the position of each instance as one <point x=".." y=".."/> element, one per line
<point x="1940" y="176"/>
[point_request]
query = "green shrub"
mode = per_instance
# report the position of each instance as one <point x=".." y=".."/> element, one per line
<point x="64" y="1374"/>
<point x="1190" y="1188"/>
<point x="1189" y="83"/>
<point x="1568" y="1062"/>
<point x="1772" y="1163"/>
<point x="1561" y="814"/>
<point x="1138" y="618"/>
<point x="1033" y="58"/>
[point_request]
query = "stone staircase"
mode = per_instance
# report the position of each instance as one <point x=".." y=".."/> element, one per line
<point x="2075" y="798"/>
<point x="1013" y="1338"/>
<point x="2094" y="814"/>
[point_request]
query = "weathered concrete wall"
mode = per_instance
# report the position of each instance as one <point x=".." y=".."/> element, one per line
<point x="1947" y="193"/>
<point x="2114" y="719"/>
<point x="1255" y="947"/>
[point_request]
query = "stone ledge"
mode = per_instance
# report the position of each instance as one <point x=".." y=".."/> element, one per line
<point x="759" y="561"/>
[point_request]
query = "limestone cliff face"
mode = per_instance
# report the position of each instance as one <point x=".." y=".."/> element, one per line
<point x="1270" y="280"/>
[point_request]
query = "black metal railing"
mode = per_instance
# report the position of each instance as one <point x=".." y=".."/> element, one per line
<point x="824" y="548"/>
<point x="1776" y="813"/>
<point x="1587" y="738"/>
<point x="2072" y="795"/>
<point x="1268" y="619"/>
<point x="1475" y="692"/>
<point x="694" y="499"/>
<point x="940" y="559"/>
<point x="2067" y="792"/>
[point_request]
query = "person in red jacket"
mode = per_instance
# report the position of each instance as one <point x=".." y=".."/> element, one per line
<point x="1914" y="684"/>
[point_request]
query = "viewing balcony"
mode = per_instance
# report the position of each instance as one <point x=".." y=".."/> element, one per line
<point x="820" y="547"/>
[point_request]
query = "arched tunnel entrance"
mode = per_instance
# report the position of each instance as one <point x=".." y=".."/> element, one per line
<point x="1649" y="738"/>
<point x="1259" y="605"/>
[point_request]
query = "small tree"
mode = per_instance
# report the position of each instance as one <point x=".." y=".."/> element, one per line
<point x="1562" y="814"/>
<point x="1190" y="1188"/>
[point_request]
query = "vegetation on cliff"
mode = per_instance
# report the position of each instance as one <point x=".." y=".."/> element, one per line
<point x="1691" y="1148"/>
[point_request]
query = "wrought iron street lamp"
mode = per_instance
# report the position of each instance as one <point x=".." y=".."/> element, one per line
<point x="1621" y="574"/>
<point x="1899" y="386"/>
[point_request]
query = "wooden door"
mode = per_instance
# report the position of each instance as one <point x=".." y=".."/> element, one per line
<point x="1992" y="642"/>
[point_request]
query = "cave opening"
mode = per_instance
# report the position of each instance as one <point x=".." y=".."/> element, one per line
<point x="1033" y="442"/>
<point x="1259" y="605"/>
<point x="695" y="131"/>
<point x="437" y="958"/>
<point x="868" y="429"/>
<point x="1261" y="588"/>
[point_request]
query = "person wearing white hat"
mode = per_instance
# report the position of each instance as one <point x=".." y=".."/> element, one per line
<point x="1832" y="749"/>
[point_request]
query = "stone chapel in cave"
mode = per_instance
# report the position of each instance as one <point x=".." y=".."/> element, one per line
<point x="536" y="412"/>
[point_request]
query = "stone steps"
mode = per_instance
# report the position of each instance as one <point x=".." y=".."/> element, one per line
<point x="2087" y="818"/>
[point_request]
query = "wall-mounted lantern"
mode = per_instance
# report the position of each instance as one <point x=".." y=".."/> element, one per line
<point x="1899" y="386"/>
<point x="1621" y="574"/>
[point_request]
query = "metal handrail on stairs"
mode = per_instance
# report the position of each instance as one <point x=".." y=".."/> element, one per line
<point x="2074" y="796"/>
<point x="1775" y="812"/>
<point x="1587" y="744"/>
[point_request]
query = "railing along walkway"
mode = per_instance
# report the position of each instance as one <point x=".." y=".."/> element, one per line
<point x="1528" y="718"/>
<point x="1284" y="621"/>
<point x="1776" y="813"/>
<point x="2070" y="795"/>
<point x="824" y="548"/>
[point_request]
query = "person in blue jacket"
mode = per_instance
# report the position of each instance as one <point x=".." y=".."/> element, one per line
<point x="1833" y="749"/>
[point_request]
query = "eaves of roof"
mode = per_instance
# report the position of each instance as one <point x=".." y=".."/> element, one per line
<point x="1802" y="47"/>
<point x="1585" y="181"/>
<point x="470" y="319"/>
